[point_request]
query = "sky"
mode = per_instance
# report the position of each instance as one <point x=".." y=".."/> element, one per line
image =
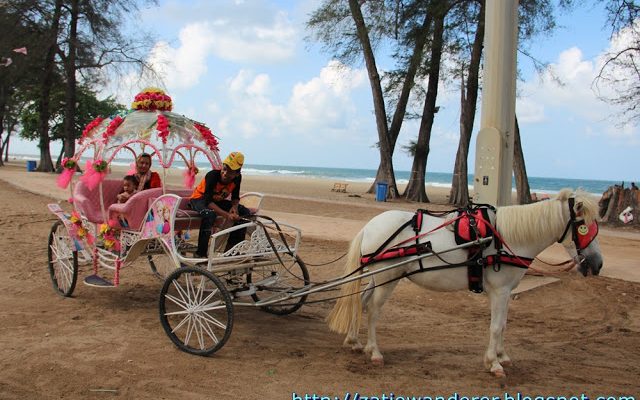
<point x="244" y="68"/>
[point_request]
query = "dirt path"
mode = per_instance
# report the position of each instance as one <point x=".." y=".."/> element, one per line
<point x="574" y="336"/>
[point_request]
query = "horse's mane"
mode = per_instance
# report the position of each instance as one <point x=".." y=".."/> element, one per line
<point x="538" y="221"/>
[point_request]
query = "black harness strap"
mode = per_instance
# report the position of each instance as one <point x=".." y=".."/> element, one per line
<point x="371" y="256"/>
<point x="417" y="226"/>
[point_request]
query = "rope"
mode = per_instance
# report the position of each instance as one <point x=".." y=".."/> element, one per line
<point x="326" y="263"/>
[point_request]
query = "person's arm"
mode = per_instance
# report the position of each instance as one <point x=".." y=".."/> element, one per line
<point x="155" y="181"/>
<point x="235" y="198"/>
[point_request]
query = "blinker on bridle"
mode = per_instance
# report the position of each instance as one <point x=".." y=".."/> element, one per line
<point x="581" y="234"/>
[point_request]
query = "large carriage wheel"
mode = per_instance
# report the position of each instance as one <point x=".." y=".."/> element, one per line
<point x="63" y="260"/>
<point x="196" y="311"/>
<point x="278" y="278"/>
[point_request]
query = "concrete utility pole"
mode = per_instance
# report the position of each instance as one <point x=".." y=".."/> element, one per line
<point x="495" y="142"/>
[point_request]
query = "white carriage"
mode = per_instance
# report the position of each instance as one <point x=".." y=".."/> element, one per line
<point x="105" y="237"/>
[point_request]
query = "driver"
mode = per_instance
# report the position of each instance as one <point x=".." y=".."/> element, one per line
<point x="218" y="194"/>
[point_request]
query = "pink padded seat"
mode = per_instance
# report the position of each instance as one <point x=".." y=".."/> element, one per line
<point x="88" y="201"/>
<point x="135" y="209"/>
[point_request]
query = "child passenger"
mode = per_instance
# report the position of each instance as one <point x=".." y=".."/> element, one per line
<point x="129" y="186"/>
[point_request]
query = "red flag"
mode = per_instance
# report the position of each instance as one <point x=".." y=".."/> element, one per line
<point x="21" y="50"/>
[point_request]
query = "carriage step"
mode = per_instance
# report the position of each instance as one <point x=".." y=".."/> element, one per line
<point x="98" y="281"/>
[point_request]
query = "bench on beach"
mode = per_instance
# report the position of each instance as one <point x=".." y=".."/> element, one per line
<point x="340" y="187"/>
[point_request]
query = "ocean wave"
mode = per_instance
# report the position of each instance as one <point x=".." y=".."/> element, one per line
<point x="255" y="171"/>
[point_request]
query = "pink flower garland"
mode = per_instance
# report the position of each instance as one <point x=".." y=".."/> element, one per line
<point x="207" y="136"/>
<point x="90" y="126"/>
<point x="111" y="129"/>
<point x="163" y="128"/>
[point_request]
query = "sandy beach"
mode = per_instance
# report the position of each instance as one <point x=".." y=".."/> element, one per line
<point x="570" y="337"/>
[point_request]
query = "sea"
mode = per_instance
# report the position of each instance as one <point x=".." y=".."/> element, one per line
<point x="436" y="179"/>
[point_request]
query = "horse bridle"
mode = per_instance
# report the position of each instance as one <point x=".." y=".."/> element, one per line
<point x="581" y="234"/>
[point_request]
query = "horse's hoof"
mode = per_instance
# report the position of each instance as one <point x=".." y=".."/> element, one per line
<point x="499" y="373"/>
<point x="377" y="362"/>
<point x="357" y="348"/>
<point x="506" y="363"/>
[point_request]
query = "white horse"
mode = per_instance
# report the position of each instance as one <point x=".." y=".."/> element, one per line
<point x="526" y="231"/>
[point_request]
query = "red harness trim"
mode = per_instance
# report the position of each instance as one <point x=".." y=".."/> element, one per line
<point x="397" y="253"/>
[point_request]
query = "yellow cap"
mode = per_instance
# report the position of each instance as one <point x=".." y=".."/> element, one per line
<point x="234" y="160"/>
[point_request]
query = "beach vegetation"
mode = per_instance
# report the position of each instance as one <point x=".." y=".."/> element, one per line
<point x="67" y="44"/>
<point x="428" y="42"/>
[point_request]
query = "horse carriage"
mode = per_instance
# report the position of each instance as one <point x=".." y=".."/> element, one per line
<point x="106" y="237"/>
<point x="198" y="295"/>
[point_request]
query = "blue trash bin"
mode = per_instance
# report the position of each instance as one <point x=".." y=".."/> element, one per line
<point x="381" y="191"/>
<point x="31" y="165"/>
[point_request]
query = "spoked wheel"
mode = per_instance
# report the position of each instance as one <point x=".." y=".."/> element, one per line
<point x="63" y="260"/>
<point x="280" y="279"/>
<point x="196" y="311"/>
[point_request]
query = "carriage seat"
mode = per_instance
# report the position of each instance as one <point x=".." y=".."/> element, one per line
<point x="190" y="219"/>
<point x="135" y="209"/>
<point x="87" y="202"/>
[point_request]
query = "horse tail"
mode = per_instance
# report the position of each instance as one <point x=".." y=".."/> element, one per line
<point x="348" y="308"/>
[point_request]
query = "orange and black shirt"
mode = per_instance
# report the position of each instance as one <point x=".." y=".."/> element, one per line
<point x="213" y="190"/>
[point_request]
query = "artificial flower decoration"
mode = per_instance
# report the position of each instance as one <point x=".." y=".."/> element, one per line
<point x="69" y="165"/>
<point x="163" y="128"/>
<point x="90" y="127"/>
<point x="111" y="129"/>
<point x="94" y="173"/>
<point x="152" y="99"/>
<point x="190" y="176"/>
<point x="109" y="236"/>
<point x="207" y="136"/>
<point x="78" y="230"/>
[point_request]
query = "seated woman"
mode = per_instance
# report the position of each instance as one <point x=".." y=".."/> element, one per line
<point x="146" y="178"/>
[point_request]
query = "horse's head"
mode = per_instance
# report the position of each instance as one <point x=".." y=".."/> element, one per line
<point x="579" y="236"/>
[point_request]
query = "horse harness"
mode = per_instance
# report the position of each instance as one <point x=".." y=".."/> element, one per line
<point x="471" y="223"/>
<point x="581" y="234"/>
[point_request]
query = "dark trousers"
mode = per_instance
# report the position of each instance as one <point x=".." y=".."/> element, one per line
<point x="209" y="218"/>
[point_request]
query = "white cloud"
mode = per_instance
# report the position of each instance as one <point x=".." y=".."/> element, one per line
<point x="182" y="67"/>
<point x="320" y="107"/>
<point x="565" y="89"/>
<point x="529" y="111"/>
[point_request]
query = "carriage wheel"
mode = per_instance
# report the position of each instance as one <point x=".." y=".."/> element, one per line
<point x="63" y="260"/>
<point x="196" y="311"/>
<point x="277" y="279"/>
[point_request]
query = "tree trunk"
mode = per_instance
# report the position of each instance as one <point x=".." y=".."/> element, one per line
<point x="617" y="199"/>
<point x="5" y="147"/>
<point x="407" y="85"/>
<point x="70" y="90"/>
<point x="415" y="190"/>
<point x="520" y="170"/>
<point x="385" y="171"/>
<point x="3" y="108"/>
<point x="45" y="91"/>
<point x="459" y="194"/>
